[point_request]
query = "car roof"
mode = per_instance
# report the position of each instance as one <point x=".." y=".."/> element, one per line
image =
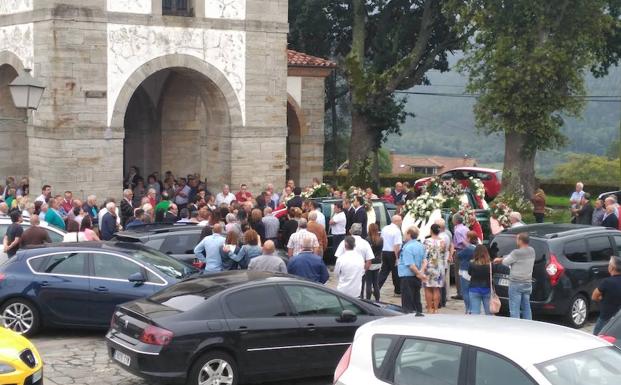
<point x="240" y="278"/>
<point x="122" y="247"/>
<point x="524" y="342"/>
<point x="550" y="230"/>
<point x="159" y="228"/>
<point x="480" y="169"/>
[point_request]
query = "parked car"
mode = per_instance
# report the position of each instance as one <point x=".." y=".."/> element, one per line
<point x="570" y="262"/>
<point x="20" y="362"/>
<point x="178" y="241"/>
<point x="612" y="331"/>
<point x="237" y="327"/>
<point x="616" y="194"/>
<point x="491" y="178"/>
<point x="78" y="285"/>
<point x="464" y="350"/>
<point x="56" y="234"/>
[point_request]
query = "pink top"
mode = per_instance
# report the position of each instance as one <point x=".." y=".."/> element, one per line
<point x="90" y="235"/>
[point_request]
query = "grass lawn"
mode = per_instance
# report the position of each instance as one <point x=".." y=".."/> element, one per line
<point x="557" y="216"/>
<point x="557" y="201"/>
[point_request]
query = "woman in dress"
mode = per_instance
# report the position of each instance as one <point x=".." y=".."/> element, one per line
<point x="436" y="262"/>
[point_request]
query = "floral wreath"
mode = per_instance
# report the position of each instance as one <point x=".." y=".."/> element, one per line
<point x="317" y="191"/>
<point x="424" y="205"/>
<point x="354" y="192"/>
<point x="501" y="212"/>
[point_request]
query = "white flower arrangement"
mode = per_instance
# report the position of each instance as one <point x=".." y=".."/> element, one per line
<point x="317" y="191"/>
<point x="423" y="206"/>
<point x="477" y="187"/>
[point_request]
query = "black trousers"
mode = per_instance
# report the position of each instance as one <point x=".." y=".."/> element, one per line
<point x="371" y="280"/>
<point x="410" y="295"/>
<point x="389" y="265"/>
<point x="539" y="217"/>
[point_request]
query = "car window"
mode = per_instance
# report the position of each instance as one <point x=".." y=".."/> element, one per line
<point x="613" y="328"/>
<point x="381" y="346"/>
<point x="380" y="214"/>
<point x="483" y="176"/>
<point x="309" y="301"/>
<point x="154" y="243"/>
<point x="617" y="239"/>
<point x="503" y="245"/>
<point x="180" y="243"/>
<point x="601" y="366"/>
<point x="601" y="249"/>
<point x="111" y="266"/>
<point x="576" y="251"/>
<point x="426" y="362"/>
<point x="257" y="302"/>
<point x="65" y="264"/>
<point x="493" y="370"/>
<point x="54" y="236"/>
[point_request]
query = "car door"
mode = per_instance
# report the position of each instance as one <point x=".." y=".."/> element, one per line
<point x="109" y="285"/>
<point x="424" y="362"/>
<point x="263" y="329"/>
<point x="325" y="337"/>
<point x="62" y="285"/>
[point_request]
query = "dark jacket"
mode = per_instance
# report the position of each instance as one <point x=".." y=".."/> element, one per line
<point x="170" y="217"/>
<point x="127" y="211"/>
<point x="360" y="216"/>
<point x="309" y="266"/>
<point x="585" y="214"/>
<point x="611" y="221"/>
<point x="296" y="201"/>
<point x="108" y="227"/>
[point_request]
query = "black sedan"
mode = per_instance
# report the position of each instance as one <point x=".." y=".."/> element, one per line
<point x="237" y="327"/>
<point x="79" y="285"/>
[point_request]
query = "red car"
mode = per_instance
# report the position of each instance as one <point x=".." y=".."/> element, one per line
<point x="491" y="178"/>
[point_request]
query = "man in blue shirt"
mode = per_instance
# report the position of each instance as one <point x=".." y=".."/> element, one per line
<point x="211" y="245"/>
<point x="411" y="268"/>
<point x="308" y="265"/>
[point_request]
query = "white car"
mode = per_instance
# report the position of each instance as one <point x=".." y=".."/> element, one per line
<point x="476" y="350"/>
<point x="56" y="234"/>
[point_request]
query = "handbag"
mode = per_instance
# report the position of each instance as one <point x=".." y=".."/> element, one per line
<point x="494" y="301"/>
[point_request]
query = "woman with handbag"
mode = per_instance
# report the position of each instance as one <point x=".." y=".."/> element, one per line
<point x="481" y="288"/>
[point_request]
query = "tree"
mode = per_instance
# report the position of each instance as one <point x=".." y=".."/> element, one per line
<point x="527" y="63"/>
<point x="393" y="45"/>
<point x="591" y="169"/>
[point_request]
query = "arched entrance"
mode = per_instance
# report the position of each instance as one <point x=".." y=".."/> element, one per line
<point x="13" y="140"/>
<point x="295" y="123"/>
<point x="178" y="118"/>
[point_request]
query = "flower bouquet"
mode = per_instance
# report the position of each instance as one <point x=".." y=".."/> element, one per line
<point x="317" y="191"/>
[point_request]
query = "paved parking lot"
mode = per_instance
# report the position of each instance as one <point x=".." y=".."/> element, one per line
<point x="81" y="358"/>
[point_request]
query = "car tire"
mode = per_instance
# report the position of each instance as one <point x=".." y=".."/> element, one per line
<point x="21" y="316"/>
<point x="578" y="312"/>
<point x="214" y="363"/>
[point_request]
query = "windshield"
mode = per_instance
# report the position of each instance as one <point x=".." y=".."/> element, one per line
<point x="165" y="264"/>
<point x="600" y="366"/>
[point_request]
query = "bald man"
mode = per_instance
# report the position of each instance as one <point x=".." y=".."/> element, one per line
<point x="268" y="261"/>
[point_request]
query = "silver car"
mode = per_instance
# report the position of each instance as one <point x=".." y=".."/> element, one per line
<point x="476" y="350"/>
<point x="56" y="234"/>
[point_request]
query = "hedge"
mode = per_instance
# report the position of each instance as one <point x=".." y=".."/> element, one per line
<point x="561" y="188"/>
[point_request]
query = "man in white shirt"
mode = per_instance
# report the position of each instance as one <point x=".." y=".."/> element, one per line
<point x="338" y="224"/>
<point x="362" y="247"/>
<point x="393" y="239"/>
<point x="349" y="269"/>
<point x="226" y="196"/>
<point x="295" y="245"/>
<point x="46" y="193"/>
<point x="321" y="219"/>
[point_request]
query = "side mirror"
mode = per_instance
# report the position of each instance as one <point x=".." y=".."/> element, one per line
<point x="347" y="316"/>
<point x="137" y="278"/>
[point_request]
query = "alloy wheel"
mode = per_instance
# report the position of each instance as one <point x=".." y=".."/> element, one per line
<point x="579" y="311"/>
<point x="216" y="372"/>
<point x="18" y="317"/>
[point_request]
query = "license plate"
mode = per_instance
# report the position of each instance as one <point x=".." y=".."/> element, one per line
<point x="37" y="376"/>
<point x="122" y="358"/>
<point x="503" y="282"/>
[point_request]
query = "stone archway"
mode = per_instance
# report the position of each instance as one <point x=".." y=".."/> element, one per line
<point x="178" y="112"/>
<point x="296" y="126"/>
<point x="13" y="136"/>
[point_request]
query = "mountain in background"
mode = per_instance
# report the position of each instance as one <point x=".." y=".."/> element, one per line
<point x="444" y="125"/>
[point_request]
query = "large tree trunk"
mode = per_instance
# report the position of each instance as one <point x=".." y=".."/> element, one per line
<point x="519" y="169"/>
<point x="360" y="149"/>
<point x="332" y="91"/>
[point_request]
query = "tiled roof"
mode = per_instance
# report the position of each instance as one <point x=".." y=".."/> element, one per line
<point x="402" y="164"/>
<point x="299" y="59"/>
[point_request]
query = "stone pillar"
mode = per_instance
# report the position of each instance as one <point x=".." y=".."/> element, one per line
<point x="69" y="145"/>
<point x="312" y="135"/>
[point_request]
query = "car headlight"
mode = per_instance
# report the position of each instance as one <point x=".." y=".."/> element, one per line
<point x="6" y="368"/>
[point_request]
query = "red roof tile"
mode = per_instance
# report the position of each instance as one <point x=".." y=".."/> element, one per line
<point x="299" y="59"/>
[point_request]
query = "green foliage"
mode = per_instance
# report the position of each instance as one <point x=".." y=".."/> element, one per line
<point x="385" y="161"/>
<point x="589" y="169"/>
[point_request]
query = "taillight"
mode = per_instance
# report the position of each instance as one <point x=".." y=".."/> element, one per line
<point x="343" y="365"/>
<point x="555" y="270"/>
<point x="2" y="277"/>
<point x="610" y="339"/>
<point x="153" y="335"/>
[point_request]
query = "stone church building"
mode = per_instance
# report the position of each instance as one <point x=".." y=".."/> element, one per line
<point x="204" y="86"/>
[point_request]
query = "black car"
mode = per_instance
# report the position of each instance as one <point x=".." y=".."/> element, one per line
<point x="570" y="262"/>
<point x="237" y="326"/>
<point x="178" y="241"/>
<point x="612" y="331"/>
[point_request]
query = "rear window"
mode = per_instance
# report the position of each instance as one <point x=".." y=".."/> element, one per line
<point x="503" y="245"/>
<point x="186" y="295"/>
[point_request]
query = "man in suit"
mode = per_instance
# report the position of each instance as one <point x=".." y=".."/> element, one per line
<point x="297" y="200"/>
<point x="127" y="209"/>
<point x="360" y="214"/>
<point x="171" y="214"/>
<point x="584" y="214"/>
